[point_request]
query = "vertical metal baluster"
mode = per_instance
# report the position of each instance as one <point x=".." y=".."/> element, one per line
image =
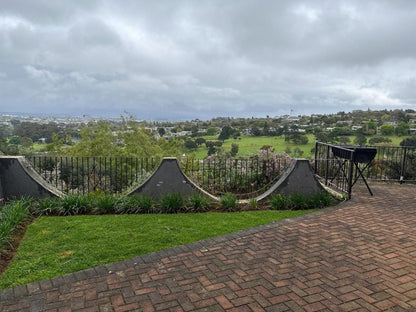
<point x="115" y="160"/>
<point x="136" y="162"/>
<point x="111" y="174"/>
<point x="72" y="175"/>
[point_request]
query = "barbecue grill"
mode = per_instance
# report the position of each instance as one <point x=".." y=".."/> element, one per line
<point x="356" y="154"/>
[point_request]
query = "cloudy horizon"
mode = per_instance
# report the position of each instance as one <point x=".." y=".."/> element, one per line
<point x="181" y="60"/>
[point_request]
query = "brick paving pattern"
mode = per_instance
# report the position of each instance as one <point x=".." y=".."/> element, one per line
<point x="358" y="256"/>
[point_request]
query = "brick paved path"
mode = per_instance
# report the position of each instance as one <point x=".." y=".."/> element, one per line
<point x="360" y="256"/>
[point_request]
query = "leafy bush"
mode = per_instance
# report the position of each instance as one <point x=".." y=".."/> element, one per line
<point x="229" y="202"/>
<point x="321" y="199"/>
<point x="198" y="203"/>
<point x="298" y="201"/>
<point x="171" y="203"/>
<point x="11" y="216"/>
<point x="409" y="142"/>
<point x="375" y="140"/>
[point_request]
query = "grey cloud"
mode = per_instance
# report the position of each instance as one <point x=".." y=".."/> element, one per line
<point x="187" y="59"/>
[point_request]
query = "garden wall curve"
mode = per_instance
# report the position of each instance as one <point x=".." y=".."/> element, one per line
<point x="169" y="178"/>
<point x="18" y="178"/>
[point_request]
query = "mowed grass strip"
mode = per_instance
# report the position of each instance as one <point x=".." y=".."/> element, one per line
<point x="54" y="246"/>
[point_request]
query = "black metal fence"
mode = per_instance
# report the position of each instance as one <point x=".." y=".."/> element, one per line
<point x="81" y="175"/>
<point x="245" y="177"/>
<point x="391" y="164"/>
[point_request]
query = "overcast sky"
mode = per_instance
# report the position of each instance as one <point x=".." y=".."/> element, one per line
<point x="201" y="59"/>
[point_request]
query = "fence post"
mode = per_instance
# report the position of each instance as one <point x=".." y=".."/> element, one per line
<point x="316" y="157"/>
<point x="403" y="168"/>
<point x="327" y="165"/>
<point x="350" y="174"/>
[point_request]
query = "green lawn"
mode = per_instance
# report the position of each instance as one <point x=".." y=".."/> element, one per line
<point x="250" y="145"/>
<point x="54" y="246"/>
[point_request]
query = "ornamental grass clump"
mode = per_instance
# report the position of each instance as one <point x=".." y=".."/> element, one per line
<point x="253" y="203"/>
<point x="49" y="206"/>
<point x="102" y="203"/>
<point x="74" y="204"/>
<point x="229" y="202"/>
<point x="198" y="203"/>
<point x="171" y="203"/>
<point x="11" y="216"/>
<point x="137" y="203"/>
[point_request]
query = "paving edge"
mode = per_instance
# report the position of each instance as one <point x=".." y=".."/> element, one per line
<point x="33" y="289"/>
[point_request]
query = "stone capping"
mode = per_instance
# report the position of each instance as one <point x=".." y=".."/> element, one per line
<point x="30" y="182"/>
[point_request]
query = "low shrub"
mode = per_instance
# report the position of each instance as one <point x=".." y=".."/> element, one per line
<point x="198" y="203"/>
<point x="321" y="199"/>
<point x="296" y="201"/>
<point x="229" y="202"/>
<point x="279" y="201"/>
<point x="171" y="203"/>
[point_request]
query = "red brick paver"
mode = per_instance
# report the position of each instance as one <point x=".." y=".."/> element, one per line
<point x="359" y="256"/>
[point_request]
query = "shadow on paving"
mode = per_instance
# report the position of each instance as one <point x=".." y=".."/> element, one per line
<point x="360" y="255"/>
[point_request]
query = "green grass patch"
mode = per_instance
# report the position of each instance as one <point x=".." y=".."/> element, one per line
<point x="54" y="246"/>
<point x="249" y="145"/>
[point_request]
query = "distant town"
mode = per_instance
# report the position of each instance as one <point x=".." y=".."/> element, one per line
<point x="20" y="133"/>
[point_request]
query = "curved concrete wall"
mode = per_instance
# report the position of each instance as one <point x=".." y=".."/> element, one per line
<point x="18" y="178"/>
<point x="298" y="178"/>
<point x="168" y="178"/>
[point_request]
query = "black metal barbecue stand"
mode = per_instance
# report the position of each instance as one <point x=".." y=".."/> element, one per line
<point x="335" y="165"/>
<point x="357" y="155"/>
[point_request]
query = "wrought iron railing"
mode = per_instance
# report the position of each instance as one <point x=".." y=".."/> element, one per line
<point x="245" y="177"/>
<point x="82" y="175"/>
